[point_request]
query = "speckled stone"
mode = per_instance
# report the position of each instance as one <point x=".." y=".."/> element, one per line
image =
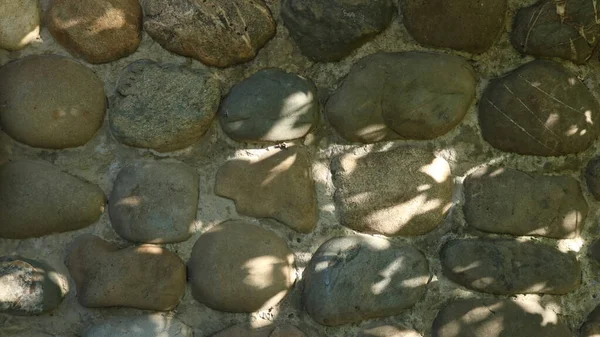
<point x="155" y="325"/>
<point x="243" y="330"/>
<point x="19" y="23"/>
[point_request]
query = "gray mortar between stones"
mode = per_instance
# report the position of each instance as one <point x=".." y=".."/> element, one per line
<point x="100" y="160"/>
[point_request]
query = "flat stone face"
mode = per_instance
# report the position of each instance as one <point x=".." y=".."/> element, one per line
<point x="50" y="101"/>
<point x="164" y="107"/>
<point x="243" y="330"/>
<point x="497" y="318"/>
<point x="330" y="30"/>
<point x="413" y="95"/>
<point x="388" y="331"/>
<point x="539" y="109"/>
<point x="38" y="199"/>
<point x="591" y="327"/>
<point x="29" y="287"/>
<point x="259" y="269"/>
<point x="277" y="185"/>
<point x="154" y="202"/>
<point x="19" y="24"/>
<point x="509" y="201"/>
<point x="467" y="25"/>
<point x="216" y="32"/>
<point x="155" y="325"/>
<point x="144" y="277"/>
<point x="270" y="106"/>
<point x="355" y="278"/>
<point x="405" y="191"/>
<point x="557" y="29"/>
<point x="506" y="267"/>
<point x="97" y="31"/>
<point x="592" y="177"/>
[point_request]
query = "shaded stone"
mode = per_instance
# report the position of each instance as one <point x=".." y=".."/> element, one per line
<point x="591" y="327"/>
<point x="155" y="325"/>
<point x="467" y="25"/>
<point x="50" y="101"/>
<point x="29" y="287"/>
<point x="259" y="269"/>
<point x="218" y="33"/>
<point x="497" y="318"/>
<point x="243" y="330"/>
<point x="405" y="191"/>
<point x="330" y="30"/>
<point x="270" y="106"/>
<point x="355" y="278"/>
<point x="19" y="23"/>
<point x="154" y="202"/>
<point x="164" y="107"/>
<point x="276" y="185"/>
<point x="414" y="95"/>
<point x="568" y="30"/>
<point x="539" y="109"/>
<point x="97" y="31"/>
<point x="38" y="199"/>
<point x="509" y="201"/>
<point x="506" y="267"/>
<point x="592" y="177"/>
<point x="388" y="331"/>
<point x="594" y="250"/>
<point x="143" y="277"/>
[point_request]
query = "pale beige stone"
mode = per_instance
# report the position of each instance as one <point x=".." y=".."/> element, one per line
<point x="19" y="23"/>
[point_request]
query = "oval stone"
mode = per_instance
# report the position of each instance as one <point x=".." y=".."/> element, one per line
<point x="388" y="331"/>
<point x="355" y="278"/>
<point x="507" y="267"/>
<point x="50" y="101"/>
<point x="155" y="325"/>
<point x="19" y="23"/>
<point x="282" y="330"/>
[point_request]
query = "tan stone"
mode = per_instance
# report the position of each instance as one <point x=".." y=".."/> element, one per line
<point x="19" y="23"/>
<point x="388" y="331"/>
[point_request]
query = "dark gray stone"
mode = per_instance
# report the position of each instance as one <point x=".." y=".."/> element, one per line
<point x="413" y="95"/>
<point x="164" y="107"/>
<point x="355" y="278"/>
<point x="508" y="201"/>
<point x="594" y="250"/>
<point x="539" y="109"/>
<point x="591" y="327"/>
<point x="270" y="106"/>
<point x="155" y="325"/>
<point x="506" y="267"/>
<point x="330" y="30"/>
<point x="592" y="177"/>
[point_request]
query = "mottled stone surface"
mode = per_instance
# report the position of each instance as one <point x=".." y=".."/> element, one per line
<point x="275" y="185"/>
<point x="330" y="30"/>
<point x="591" y="327"/>
<point x="29" y="287"/>
<point x="50" y="101"/>
<point x="97" y="31"/>
<point x="216" y="32"/>
<point x="507" y="267"/>
<point x="509" y="201"/>
<point x="539" y="109"/>
<point x="259" y="269"/>
<point x="270" y="106"/>
<point x="466" y="25"/>
<point x="144" y="277"/>
<point x="386" y="330"/>
<point x="243" y="330"/>
<point x="405" y="191"/>
<point x="565" y="29"/>
<point x="154" y="202"/>
<point x="19" y="23"/>
<point x="164" y="107"/>
<point x="154" y="325"/>
<point x="38" y="199"/>
<point x="592" y="177"/>
<point x="413" y="95"/>
<point x="355" y="278"/>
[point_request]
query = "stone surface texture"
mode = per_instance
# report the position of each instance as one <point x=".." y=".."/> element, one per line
<point x="386" y="330"/>
<point x="242" y="330"/>
<point x="592" y="177"/>
<point x="155" y="325"/>
<point x="19" y="23"/>
<point x="591" y="327"/>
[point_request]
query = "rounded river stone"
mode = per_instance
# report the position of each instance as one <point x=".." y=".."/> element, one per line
<point x="259" y="270"/>
<point x="243" y="330"/>
<point x="164" y="107"/>
<point x="411" y="95"/>
<point x="270" y="106"/>
<point x="591" y="327"/>
<point x="388" y="331"/>
<point x="50" y="101"/>
<point x="155" y="325"/>
<point x="592" y="177"/>
<point x="19" y="23"/>
<point x="355" y="278"/>
<point x="539" y="109"/>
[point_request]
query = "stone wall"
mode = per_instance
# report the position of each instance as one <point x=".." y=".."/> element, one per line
<point x="299" y="168"/>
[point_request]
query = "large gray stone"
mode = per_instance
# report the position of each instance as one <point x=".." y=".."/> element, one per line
<point x="270" y="106"/>
<point x="331" y="30"/>
<point x="355" y="278"/>
<point x="50" y="101"/>
<point x="154" y="325"/>
<point x="164" y="107"/>
<point x="243" y="330"/>
<point x="19" y="23"/>
<point x="509" y="201"/>
<point x="275" y="185"/>
<point x="413" y="95"/>
<point x="154" y="202"/>
<point x="539" y="109"/>
<point x="216" y="32"/>
<point x="405" y="191"/>
<point x="38" y="199"/>
<point x="507" y="267"/>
